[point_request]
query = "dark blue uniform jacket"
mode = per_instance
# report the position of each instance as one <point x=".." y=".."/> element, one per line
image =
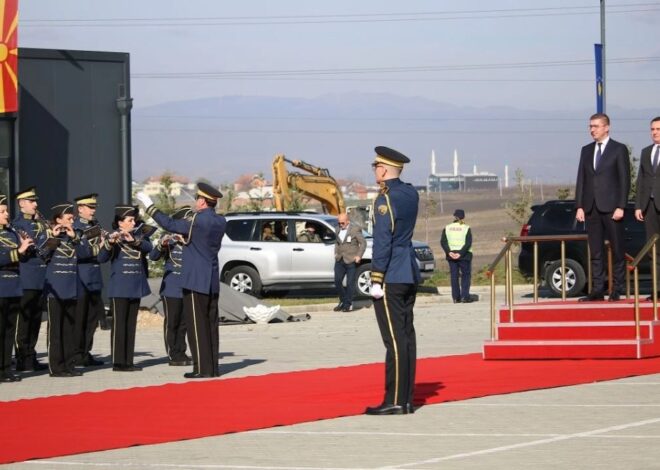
<point x="33" y="269"/>
<point x="62" y="270"/>
<point x="200" y="256"/>
<point x="395" y="214"/>
<point x="89" y="269"/>
<point x="128" y="277"/>
<point x="172" y="277"/>
<point x="10" y="282"/>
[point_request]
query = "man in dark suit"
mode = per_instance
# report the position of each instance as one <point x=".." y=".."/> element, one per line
<point x="200" y="277"/>
<point x="601" y="194"/>
<point x="647" y="203"/>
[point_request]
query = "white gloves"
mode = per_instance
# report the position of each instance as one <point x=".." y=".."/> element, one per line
<point x="144" y="199"/>
<point x="377" y="291"/>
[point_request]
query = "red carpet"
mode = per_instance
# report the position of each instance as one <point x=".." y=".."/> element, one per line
<point x="93" y="421"/>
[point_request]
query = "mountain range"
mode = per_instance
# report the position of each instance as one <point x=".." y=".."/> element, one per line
<point x="220" y="138"/>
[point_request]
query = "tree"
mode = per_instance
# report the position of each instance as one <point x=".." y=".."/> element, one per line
<point x="520" y="208"/>
<point x="563" y="193"/>
<point x="165" y="202"/>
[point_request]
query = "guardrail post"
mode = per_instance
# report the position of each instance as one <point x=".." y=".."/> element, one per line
<point x="654" y="277"/>
<point x="589" y="280"/>
<point x="510" y="258"/>
<point x="536" y="272"/>
<point x="563" y="270"/>
<point x="493" y="317"/>
<point x="610" y="274"/>
<point x="637" y="333"/>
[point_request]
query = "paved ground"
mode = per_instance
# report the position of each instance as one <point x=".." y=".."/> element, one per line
<point x="602" y="425"/>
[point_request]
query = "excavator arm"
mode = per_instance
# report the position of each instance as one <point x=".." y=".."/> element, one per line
<point x="318" y="185"/>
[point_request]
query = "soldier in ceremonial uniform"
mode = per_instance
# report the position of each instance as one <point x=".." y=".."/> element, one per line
<point x="127" y="285"/>
<point x="200" y="275"/>
<point x="61" y="252"/>
<point x="13" y="248"/>
<point x="170" y="247"/>
<point x="33" y="274"/>
<point x="394" y="277"/>
<point x="89" y="309"/>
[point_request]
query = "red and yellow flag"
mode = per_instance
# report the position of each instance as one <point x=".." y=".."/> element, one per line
<point x="8" y="56"/>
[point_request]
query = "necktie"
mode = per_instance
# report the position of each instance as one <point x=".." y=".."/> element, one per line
<point x="656" y="157"/>
<point x="598" y="155"/>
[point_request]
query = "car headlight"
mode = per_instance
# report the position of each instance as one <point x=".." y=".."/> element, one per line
<point x="424" y="253"/>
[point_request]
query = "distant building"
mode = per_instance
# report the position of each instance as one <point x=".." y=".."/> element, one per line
<point x="441" y="182"/>
<point x="154" y="186"/>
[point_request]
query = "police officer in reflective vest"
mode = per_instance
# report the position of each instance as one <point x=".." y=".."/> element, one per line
<point x="201" y="275"/>
<point x="394" y="277"/>
<point x="456" y="240"/>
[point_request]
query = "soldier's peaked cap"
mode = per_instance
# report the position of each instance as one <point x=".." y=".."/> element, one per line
<point x="124" y="210"/>
<point x="28" y="193"/>
<point x="208" y="192"/>
<point x="182" y="212"/>
<point x="58" y="210"/>
<point x="388" y="156"/>
<point x="87" y="200"/>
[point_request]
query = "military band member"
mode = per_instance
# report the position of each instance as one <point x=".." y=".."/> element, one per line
<point x="170" y="247"/>
<point x="89" y="309"/>
<point x="200" y="275"/>
<point x="394" y="277"/>
<point x="127" y="285"/>
<point x="13" y="248"/>
<point x="33" y="274"/>
<point x="61" y="252"/>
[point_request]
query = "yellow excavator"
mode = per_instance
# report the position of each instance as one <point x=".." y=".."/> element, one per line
<point x="318" y="185"/>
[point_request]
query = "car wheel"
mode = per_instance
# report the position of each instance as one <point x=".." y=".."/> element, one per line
<point x="244" y="279"/>
<point x="363" y="280"/>
<point x="574" y="273"/>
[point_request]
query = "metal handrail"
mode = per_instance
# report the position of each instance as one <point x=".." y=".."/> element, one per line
<point x="634" y="267"/>
<point x="506" y="254"/>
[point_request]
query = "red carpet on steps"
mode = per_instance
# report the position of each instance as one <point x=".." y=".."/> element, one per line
<point x="94" y="421"/>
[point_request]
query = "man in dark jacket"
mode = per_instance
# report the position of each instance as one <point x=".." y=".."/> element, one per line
<point x="647" y="203"/>
<point x="601" y="194"/>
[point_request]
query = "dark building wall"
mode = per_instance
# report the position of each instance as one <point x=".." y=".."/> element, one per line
<point x="70" y="130"/>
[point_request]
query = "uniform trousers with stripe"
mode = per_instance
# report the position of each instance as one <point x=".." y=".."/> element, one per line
<point x="201" y="315"/>
<point x="27" y="328"/>
<point x="61" y="321"/>
<point x="124" y="324"/>
<point x="394" y="313"/>
<point x="89" y="310"/>
<point x="174" y="329"/>
<point x="9" y="308"/>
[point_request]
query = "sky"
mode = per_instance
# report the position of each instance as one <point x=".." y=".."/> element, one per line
<point x="472" y="54"/>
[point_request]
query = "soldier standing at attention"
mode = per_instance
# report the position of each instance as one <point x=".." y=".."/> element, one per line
<point x="127" y="285"/>
<point x="89" y="308"/>
<point x="13" y="248"/>
<point x="33" y="275"/>
<point x="200" y="275"/>
<point x="170" y="247"/>
<point x="394" y="277"/>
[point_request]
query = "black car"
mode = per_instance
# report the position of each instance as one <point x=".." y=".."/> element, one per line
<point x="558" y="218"/>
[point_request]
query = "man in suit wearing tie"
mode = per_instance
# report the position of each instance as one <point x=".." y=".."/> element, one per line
<point x="601" y="194"/>
<point x="647" y="205"/>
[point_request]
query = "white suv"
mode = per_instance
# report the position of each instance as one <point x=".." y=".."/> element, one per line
<point x="261" y="251"/>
